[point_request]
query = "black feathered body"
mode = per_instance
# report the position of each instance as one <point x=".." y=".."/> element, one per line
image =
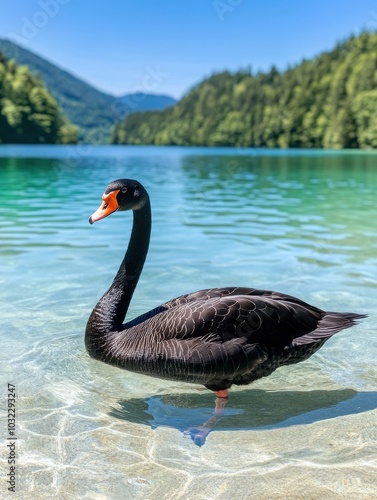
<point x="222" y="336"/>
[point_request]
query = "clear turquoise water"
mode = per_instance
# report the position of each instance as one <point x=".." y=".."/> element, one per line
<point x="304" y="223"/>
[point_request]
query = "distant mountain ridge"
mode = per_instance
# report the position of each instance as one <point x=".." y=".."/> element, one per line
<point x="93" y="111"/>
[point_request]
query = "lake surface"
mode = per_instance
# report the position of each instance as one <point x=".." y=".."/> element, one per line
<point x="299" y="222"/>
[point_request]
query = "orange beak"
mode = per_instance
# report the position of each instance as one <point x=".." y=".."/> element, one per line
<point x="107" y="207"/>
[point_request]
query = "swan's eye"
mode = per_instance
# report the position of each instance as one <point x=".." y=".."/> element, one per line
<point x="124" y="190"/>
<point x="105" y="206"/>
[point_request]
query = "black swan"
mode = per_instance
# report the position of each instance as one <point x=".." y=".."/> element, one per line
<point x="215" y="337"/>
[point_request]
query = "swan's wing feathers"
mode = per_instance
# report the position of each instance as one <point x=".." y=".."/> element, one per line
<point x="210" y="293"/>
<point x="211" y="361"/>
<point x="283" y="320"/>
<point x="240" y="312"/>
<point x="330" y="324"/>
<point x="207" y="294"/>
<point x="215" y="319"/>
<point x="257" y="318"/>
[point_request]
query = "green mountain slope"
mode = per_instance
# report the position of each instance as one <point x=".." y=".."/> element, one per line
<point x="329" y="101"/>
<point x="93" y="111"/>
<point x="28" y="112"/>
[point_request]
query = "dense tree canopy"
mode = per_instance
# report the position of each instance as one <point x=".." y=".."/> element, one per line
<point x="28" y="113"/>
<point x="327" y="102"/>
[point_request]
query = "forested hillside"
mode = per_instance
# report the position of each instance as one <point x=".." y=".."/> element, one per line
<point x="327" y="102"/>
<point x="93" y="111"/>
<point x="28" y="113"/>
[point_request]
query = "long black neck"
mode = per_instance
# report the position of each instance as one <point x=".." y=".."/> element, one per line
<point x="109" y="313"/>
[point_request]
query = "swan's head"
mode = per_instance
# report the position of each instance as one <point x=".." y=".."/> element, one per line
<point x="123" y="194"/>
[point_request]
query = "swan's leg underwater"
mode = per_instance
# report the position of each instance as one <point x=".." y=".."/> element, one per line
<point x="221" y="401"/>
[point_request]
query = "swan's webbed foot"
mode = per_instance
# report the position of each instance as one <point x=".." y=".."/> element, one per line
<point x="199" y="434"/>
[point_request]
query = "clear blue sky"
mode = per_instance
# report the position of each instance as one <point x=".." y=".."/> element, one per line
<point x="166" y="46"/>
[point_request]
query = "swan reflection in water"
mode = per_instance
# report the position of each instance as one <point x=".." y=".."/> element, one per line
<point x="248" y="410"/>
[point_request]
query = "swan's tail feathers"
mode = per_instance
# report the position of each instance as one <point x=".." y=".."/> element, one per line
<point x="331" y="323"/>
